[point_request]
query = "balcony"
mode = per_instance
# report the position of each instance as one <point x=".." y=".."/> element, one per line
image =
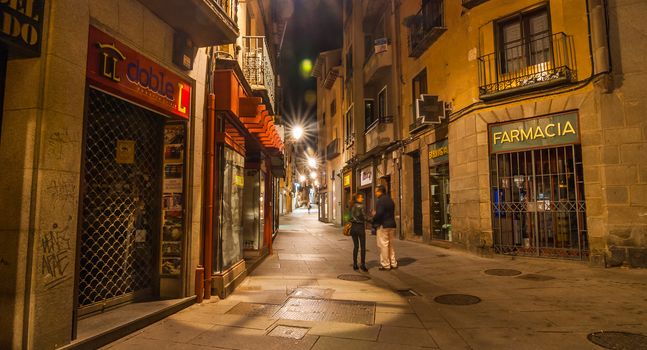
<point x="527" y="66"/>
<point x="257" y="68"/>
<point x="425" y="27"/>
<point x="469" y="4"/>
<point x="207" y="22"/>
<point x="380" y="132"/>
<point x="377" y="63"/>
<point x="333" y="149"/>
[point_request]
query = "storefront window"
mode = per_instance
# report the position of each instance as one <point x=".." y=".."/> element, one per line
<point x="538" y="202"/>
<point x="440" y="214"/>
<point x="231" y="232"/>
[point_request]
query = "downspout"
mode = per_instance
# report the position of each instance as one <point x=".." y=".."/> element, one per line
<point x="209" y="188"/>
<point x="395" y="8"/>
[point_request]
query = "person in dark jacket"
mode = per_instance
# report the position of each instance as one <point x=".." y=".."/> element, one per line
<point x="357" y="232"/>
<point x="384" y="222"/>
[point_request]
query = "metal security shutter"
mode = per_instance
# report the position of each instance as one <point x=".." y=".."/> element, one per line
<point x="118" y="201"/>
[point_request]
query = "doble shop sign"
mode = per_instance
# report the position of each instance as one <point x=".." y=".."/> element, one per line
<point x="121" y="70"/>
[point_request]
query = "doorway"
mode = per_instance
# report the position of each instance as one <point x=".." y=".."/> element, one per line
<point x="439" y="194"/>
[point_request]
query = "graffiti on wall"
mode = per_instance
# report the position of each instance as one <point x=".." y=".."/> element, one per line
<point x="57" y="254"/>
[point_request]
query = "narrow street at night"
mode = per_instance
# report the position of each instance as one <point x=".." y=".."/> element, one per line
<point x="295" y="299"/>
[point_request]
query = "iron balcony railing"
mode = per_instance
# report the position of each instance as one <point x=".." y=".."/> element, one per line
<point x="425" y="27"/>
<point x="527" y="65"/>
<point x="257" y="66"/>
<point x="229" y="7"/>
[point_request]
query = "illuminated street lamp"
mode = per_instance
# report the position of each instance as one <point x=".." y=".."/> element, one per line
<point x="297" y="132"/>
<point x="312" y="163"/>
<point x="302" y="178"/>
<point x="313" y="175"/>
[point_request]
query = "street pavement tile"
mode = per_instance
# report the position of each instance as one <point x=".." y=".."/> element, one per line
<point x="406" y="336"/>
<point x="519" y="339"/>
<point x="446" y="337"/>
<point x="328" y="343"/>
<point x="426" y="311"/>
<point x="139" y="343"/>
<point x="394" y="307"/>
<point x="177" y="330"/>
<point x="250" y="339"/>
<point x="464" y="317"/>
<point x="336" y="329"/>
<point x="398" y="320"/>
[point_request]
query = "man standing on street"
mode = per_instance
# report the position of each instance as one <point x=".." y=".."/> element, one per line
<point x="384" y="222"/>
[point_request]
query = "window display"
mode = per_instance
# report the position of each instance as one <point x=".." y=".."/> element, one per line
<point x="231" y="231"/>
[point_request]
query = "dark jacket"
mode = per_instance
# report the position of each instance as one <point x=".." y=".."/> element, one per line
<point x="384" y="212"/>
<point x="357" y="214"/>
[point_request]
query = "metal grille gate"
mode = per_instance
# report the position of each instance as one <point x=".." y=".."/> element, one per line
<point x="538" y="203"/>
<point x="121" y="203"/>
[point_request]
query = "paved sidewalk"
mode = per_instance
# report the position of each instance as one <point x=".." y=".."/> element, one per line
<point x="550" y="305"/>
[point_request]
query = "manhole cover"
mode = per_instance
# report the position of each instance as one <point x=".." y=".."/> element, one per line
<point x="619" y="340"/>
<point x="353" y="277"/>
<point x="502" y="272"/>
<point x="346" y="311"/>
<point x="407" y="293"/>
<point x="289" y="332"/>
<point x="442" y="255"/>
<point x="536" y="277"/>
<point x="457" y="299"/>
<point x="254" y="309"/>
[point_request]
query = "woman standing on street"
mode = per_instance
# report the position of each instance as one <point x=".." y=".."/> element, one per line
<point x="357" y="232"/>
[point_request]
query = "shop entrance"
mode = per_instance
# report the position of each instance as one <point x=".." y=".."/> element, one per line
<point x="538" y="203"/>
<point x="120" y="221"/>
<point x="439" y="194"/>
<point x="417" y="194"/>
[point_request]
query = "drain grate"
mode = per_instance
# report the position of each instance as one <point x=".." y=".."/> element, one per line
<point x="296" y="333"/>
<point x="303" y="309"/>
<point x="457" y="299"/>
<point x="353" y="277"/>
<point x="619" y="340"/>
<point x="536" y="277"/>
<point x="254" y="309"/>
<point x="442" y="255"/>
<point x="407" y="293"/>
<point x="502" y="272"/>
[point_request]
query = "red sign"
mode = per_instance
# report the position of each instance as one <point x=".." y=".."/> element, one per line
<point x="118" y="69"/>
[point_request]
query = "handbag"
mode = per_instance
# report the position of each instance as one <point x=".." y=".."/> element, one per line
<point x="347" y="228"/>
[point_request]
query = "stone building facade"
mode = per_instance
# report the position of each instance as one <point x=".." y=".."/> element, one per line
<point x="520" y="126"/>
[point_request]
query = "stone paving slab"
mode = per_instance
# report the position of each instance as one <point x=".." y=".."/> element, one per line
<point x="514" y="313"/>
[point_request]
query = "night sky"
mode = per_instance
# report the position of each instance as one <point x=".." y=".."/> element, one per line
<point x="315" y="26"/>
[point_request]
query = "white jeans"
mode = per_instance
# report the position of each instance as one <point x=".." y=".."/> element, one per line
<point x="385" y="240"/>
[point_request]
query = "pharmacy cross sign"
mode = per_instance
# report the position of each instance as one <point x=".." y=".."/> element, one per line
<point x="430" y="110"/>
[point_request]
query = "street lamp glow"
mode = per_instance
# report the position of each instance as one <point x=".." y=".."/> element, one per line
<point x="312" y="162"/>
<point x="297" y="132"/>
<point x="313" y="175"/>
<point x="302" y="178"/>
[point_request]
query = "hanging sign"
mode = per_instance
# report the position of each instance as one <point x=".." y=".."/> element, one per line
<point x="22" y="26"/>
<point x="125" y="152"/>
<point x="347" y="180"/>
<point x="438" y="152"/>
<point x="536" y="132"/>
<point x="117" y="68"/>
<point x="366" y="176"/>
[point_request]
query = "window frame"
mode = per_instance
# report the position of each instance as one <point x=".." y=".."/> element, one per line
<point x="382" y="110"/>
<point x="521" y="17"/>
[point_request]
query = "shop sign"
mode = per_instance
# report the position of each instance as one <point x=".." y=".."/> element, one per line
<point x="366" y="176"/>
<point x="22" y="26"/>
<point x="439" y="152"/>
<point x="347" y="180"/>
<point x="537" y="132"/>
<point x="121" y="70"/>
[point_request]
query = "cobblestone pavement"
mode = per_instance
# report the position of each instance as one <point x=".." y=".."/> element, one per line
<point x="295" y="300"/>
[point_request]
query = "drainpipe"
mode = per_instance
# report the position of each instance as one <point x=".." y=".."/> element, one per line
<point x="210" y="161"/>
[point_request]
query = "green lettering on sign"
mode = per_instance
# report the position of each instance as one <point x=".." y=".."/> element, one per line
<point x="536" y="132"/>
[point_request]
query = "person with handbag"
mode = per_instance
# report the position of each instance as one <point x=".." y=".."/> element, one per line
<point x="358" y="221"/>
